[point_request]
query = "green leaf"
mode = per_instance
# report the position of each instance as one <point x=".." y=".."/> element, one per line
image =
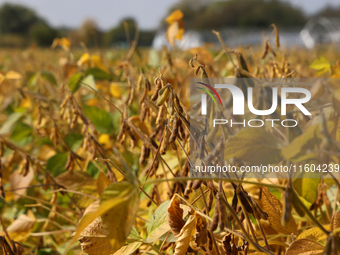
<point x="74" y="140"/>
<point x="98" y="74"/>
<point x="298" y="149"/>
<point x="56" y="164"/>
<point x="74" y="82"/>
<point x="101" y="119"/>
<point x="92" y="170"/>
<point x="118" y="207"/>
<point x="32" y="80"/>
<point x="48" y="76"/>
<point x="11" y="120"/>
<point x="134" y="234"/>
<point x="255" y="146"/>
<point x="21" y="134"/>
<point x="307" y="187"/>
<point x="158" y="224"/>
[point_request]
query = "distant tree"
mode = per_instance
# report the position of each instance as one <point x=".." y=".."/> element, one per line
<point x="90" y="33"/>
<point x="17" y="19"/>
<point x="125" y="31"/>
<point x="42" y="34"/>
<point x="239" y="13"/>
<point x="118" y="35"/>
<point x="329" y="12"/>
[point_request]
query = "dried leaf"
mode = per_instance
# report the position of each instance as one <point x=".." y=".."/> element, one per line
<point x="305" y="247"/>
<point x="102" y="183"/>
<point x="13" y="75"/>
<point x="21" y="227"/>
<point x="175" y="214"/>
<point x="335" y="221"/>
<point x="184" y="237"/>
<point x="273" y="207"/>
<point x="93" y="240"/>
<point x="18" y="181"/>
<point x="74" y="180"/>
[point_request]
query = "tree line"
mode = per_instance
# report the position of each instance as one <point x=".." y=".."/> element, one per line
<point x="21" y="26"/>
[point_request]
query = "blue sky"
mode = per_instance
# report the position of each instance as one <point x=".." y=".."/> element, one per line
<point x="108" y="13"/>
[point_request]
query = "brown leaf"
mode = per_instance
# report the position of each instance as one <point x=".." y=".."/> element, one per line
<point x="305" y="247"/>
<point x="175" y="214"/>
<point x="201" y="230"/>
<point x="273" y="207"/>
<point x="73" y="180"/>
<point x="93" y="240"/>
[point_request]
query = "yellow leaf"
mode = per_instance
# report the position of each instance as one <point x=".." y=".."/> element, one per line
<point x="315" y="234"/>
<point x="305" y="247"/>
<point x="174" y="16"/>
<point x="180" y="32"/>
<point x="118" y="221"/>
<point x="25" y="103"/>
<point x="273" y="207"/>
<point x="63" y="42"/>
<point x="176" y="28"/>
<point x="98" y="62"/>
<point x="105" y="140"/>
<point x="13" y="75"/>
<point x="84" y="59"/>
<point x="115" y="90"/>
<point x="102" y="183"/>
<point x="322" y="65"/>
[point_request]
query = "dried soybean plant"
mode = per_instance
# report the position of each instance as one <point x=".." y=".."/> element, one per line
<point x="103" y="151"/>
